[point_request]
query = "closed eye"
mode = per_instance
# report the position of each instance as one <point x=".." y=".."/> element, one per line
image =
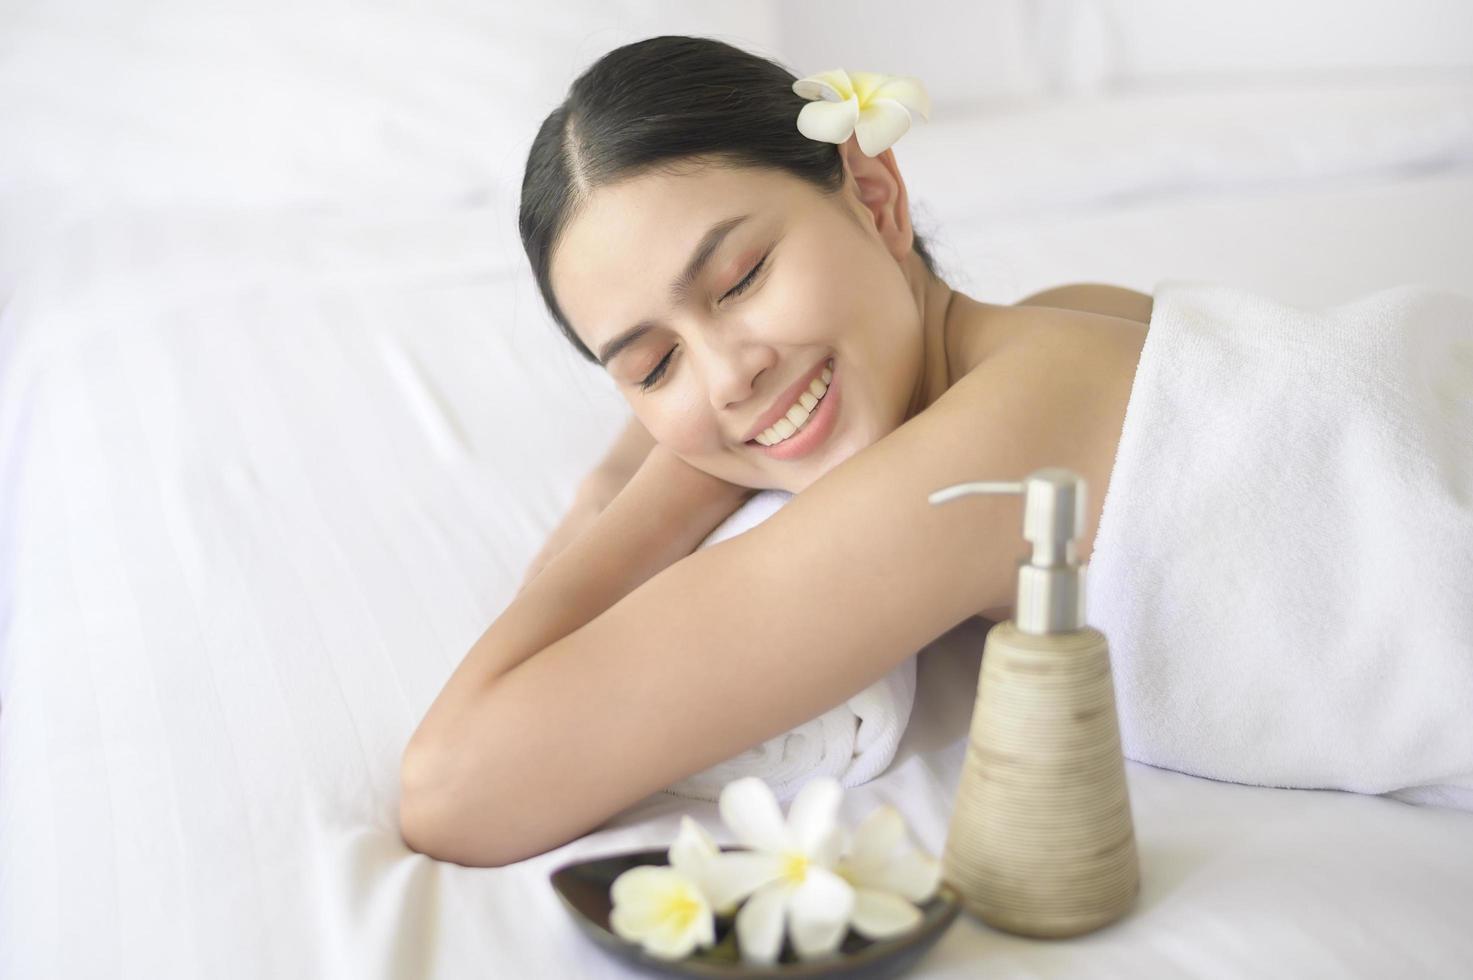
<point x="741" y="287"/>
<point x="659" y="370"/>
<point x="736" y="290"/>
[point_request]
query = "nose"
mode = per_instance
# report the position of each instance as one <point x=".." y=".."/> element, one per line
<point x="732" y="379"/>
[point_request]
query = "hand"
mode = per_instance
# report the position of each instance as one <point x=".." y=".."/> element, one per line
<point x="593" y="495"/>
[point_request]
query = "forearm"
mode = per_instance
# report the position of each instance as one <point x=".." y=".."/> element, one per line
<point x="663" y="513"/>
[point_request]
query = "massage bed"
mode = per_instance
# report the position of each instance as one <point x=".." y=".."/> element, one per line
<point x="267" y="472"/>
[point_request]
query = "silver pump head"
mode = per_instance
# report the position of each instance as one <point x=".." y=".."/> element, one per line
<point x="1051" y="582"/>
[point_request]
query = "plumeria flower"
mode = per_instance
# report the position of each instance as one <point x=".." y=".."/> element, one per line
<point x="667" y="909"/>
<point x="725" y="877"/>
<point x="804" y="876"/>
<point x="794" y="860"/>
<point x="663" y="910"/>
<point x="887" y="883"/>
<point x="877" y="108"/>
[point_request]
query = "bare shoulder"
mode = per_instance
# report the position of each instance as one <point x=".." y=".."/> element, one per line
<point x="1095" y="297"/>
<point x="1048" y="388"/>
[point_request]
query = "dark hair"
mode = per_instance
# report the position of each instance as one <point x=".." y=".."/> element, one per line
<point x="653" y="102"/>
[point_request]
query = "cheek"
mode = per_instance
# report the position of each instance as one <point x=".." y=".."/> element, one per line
<point x="683" y="429"/>
<point x="816" y="302"/>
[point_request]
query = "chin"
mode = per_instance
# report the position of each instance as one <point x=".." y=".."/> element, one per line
<point x="804" y="481"/>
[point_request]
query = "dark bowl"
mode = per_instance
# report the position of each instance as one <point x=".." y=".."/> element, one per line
<point x="584" y="887"/>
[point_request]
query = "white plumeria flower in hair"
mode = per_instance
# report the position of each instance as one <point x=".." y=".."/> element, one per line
<point x="794" y="859"/>
<point x="877" y="108"/>
<point x="887" y="885"/>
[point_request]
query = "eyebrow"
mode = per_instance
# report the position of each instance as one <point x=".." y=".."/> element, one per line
<point x="707" y="247"/>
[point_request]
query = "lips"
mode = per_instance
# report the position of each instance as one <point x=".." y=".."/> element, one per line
<point x="785" y="401"/>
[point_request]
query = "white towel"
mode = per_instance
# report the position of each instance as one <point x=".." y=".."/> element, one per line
<point x="1284" y="563"/>
<point x="852" y="742"/>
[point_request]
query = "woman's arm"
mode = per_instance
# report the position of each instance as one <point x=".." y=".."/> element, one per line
<point x="743" y="641"/>
<point x="627" y="453"/>
<point x="663" y="513"/>
<point x="600" y="486"/>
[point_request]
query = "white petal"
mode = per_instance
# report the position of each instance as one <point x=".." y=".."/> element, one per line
<point x="882" y="915"/>
<point x="880" y="124"/>
<point x="640" y="889"/>
<point x="759" y="924"/>
<point x="675" y="940"/>
<point x="867" y="83"/>
<point x="909" y="92"/>
<point x="734" y="875"/>
<point x="634" y="921"/>
<point x="829" y="122"/>
<point x="832" y="86"/>
<point x="751" y="811"/>
<point x="641" y="896"/>
<point x="875" y="839"/>
<point x="693" y="848"/>
<point x="813" y="814"/>
<point x="818" y="913"/>
<point x="915" y="876"/>
<point x="814" y="940"/>
<point x="826" y="854"/>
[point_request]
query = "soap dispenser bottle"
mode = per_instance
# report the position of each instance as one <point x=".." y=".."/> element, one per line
<point x="1041" y="841"/>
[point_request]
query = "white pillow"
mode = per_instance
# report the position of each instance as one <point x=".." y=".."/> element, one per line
<point x="398" y="104"/>
<point x="967" y="54"/>
<point x="1060" y="154"/>
<point x="269" y="103"/>
<point x="437" y="101"/>
<point x="312" y="101"/>
<point x="1130" y="42"/>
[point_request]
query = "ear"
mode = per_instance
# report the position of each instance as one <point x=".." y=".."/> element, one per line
<point x="881" y="190"/>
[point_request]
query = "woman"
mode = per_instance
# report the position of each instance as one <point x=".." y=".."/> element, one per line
<point x="719" y="264"/>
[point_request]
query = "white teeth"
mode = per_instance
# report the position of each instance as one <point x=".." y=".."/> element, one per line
<point x="801" y="411"/>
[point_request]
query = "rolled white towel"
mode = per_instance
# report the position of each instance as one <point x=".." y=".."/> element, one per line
<point x="853" y="741"/>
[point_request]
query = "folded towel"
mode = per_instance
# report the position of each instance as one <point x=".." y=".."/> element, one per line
<point x="852" y="742"/>
<point x="1284" y="562"/>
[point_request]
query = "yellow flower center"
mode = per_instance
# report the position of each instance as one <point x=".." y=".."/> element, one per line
<point x="681" y="910"/>
<point x="862" y="86"/>
<point x="795" y="868"/>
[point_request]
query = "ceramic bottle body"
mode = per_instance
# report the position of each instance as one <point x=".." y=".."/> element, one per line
<point x="1041" y="841"/>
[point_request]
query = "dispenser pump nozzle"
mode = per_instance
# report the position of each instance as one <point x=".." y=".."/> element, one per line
<point x="1051" y="582"/>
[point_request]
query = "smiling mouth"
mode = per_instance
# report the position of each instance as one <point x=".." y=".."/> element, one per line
<point x="778" y="423"/>
<point x="812" y="428"/>
<point x="807" y="420"/>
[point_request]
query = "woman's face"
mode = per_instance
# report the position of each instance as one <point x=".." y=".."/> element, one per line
<point x="790" y="281"/>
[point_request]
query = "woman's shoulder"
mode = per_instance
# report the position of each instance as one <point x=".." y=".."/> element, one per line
<point x="1094" y="297"/>
<point x="1068" y="373"/>
<point x="989" y="330"/>
<point x="861" y="560"/>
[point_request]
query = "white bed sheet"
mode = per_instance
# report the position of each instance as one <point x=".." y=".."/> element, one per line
<point x="267" y="475"/>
